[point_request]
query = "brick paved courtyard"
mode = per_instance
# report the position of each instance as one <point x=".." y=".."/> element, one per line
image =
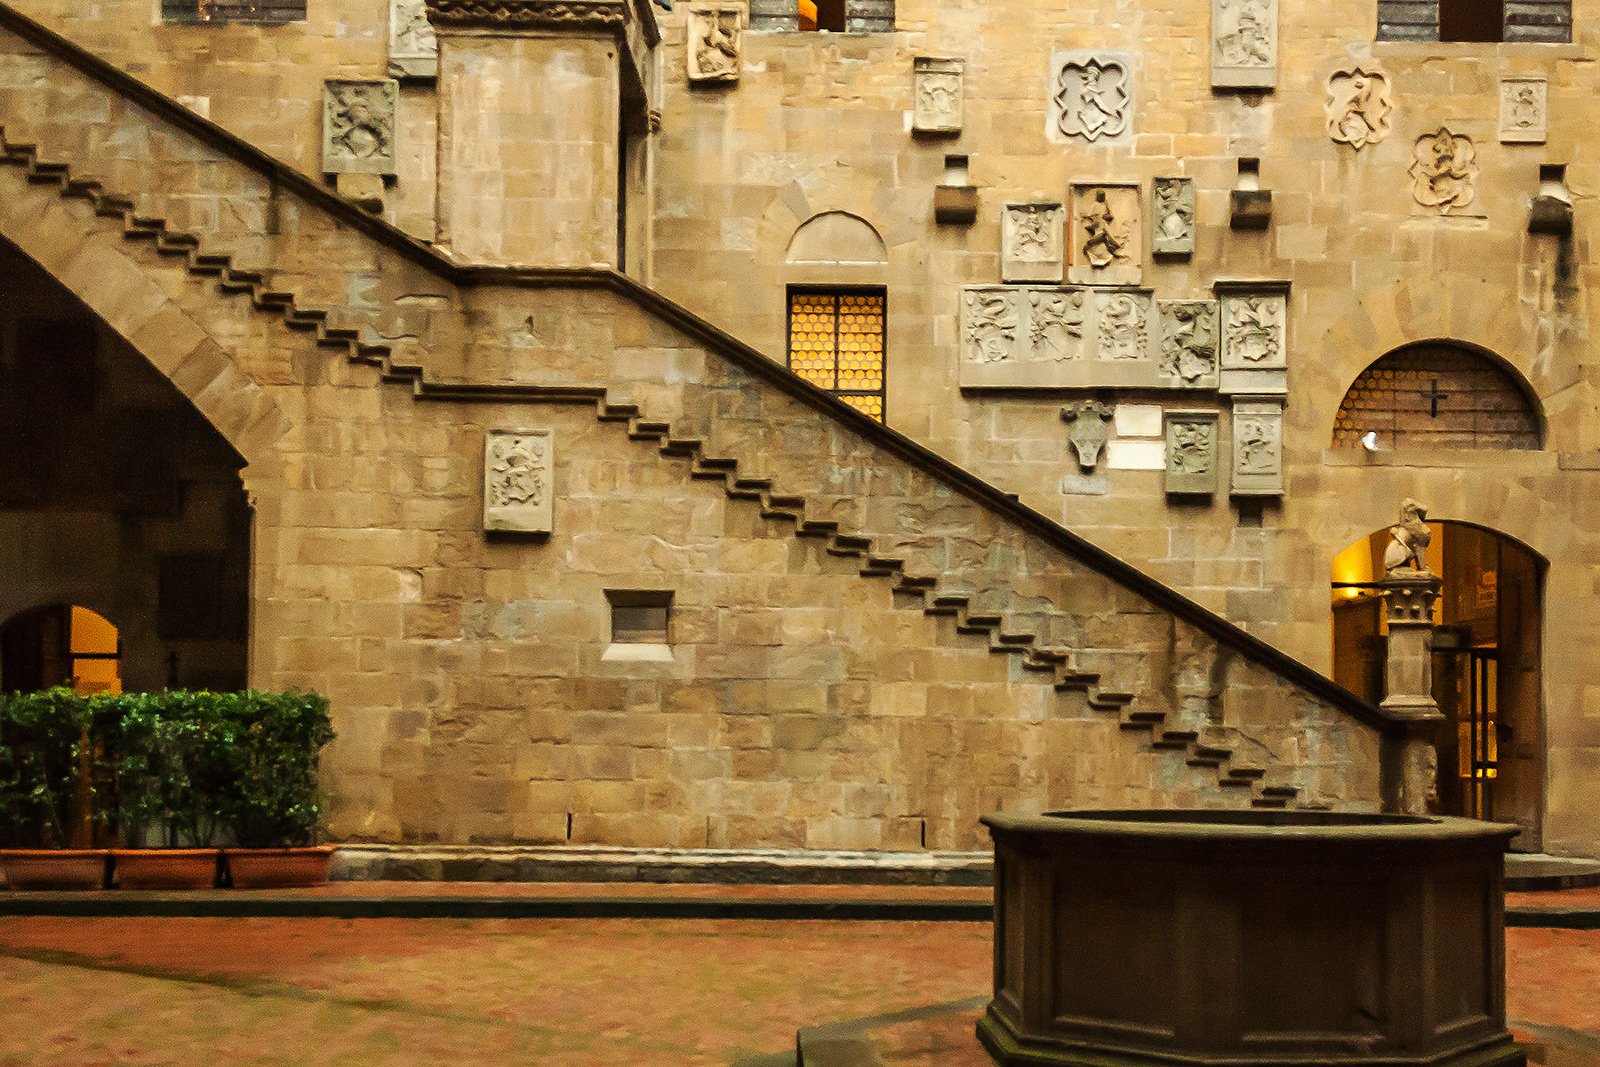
<point x="574" y="993"/>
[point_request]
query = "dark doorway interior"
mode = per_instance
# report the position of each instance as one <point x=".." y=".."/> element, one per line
<point x="1486" y="666"/>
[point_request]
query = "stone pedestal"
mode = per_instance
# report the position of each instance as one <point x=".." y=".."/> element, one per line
<point x="1408" y="683"/>
<point x="533" y="95"/>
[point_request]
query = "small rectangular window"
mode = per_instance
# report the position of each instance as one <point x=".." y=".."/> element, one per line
<point x="1472" y="20"/>
<point x="640" y="616"/>
<point x="1466" y="21"/>
<point x="836" y="342"/>
<point x="268" y="11"/>
<point x="832" y="16"/>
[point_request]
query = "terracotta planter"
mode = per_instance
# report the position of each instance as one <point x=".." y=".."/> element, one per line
<point x="57" y="868"/>
<point x="279" y="868"/>
<point x="165" y="868"/>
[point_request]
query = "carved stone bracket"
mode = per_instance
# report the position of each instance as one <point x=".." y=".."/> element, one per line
<point x="518" y="481"/>
<point x="413" y="45"/>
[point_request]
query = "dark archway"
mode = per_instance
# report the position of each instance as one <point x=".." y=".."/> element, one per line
<point x="116" y="495"/>
<point x="1439" y="394"/>
<point x="1487" y="665"/>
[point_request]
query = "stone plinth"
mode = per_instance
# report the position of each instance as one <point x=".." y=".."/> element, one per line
<point x="1248" y="937"/>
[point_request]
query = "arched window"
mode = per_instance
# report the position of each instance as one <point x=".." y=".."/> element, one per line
<point x="60" y="645"/>
<point x="1438" y="395"/>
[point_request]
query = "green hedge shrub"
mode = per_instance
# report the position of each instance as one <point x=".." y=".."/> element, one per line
<point x="171" y="769"/>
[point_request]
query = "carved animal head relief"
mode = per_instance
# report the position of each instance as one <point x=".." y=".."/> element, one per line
<point x="1092" y="96"/>
<point x="1358" y="107"/>
<point x="1444" y="174"/>
<point x="1088" y="430"/>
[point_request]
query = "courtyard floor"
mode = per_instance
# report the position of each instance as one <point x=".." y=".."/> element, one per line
<point x="573" y="993"/>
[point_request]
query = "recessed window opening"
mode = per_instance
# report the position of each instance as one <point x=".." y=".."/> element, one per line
<point x="640" y="616"/>
<point x="822" y="15"/>
<point x="1472" y="20"/>
<point x="271" y="11"/>
<point x="836" y="342"/>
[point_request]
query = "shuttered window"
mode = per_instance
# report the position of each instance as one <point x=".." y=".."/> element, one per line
<point x="847" y="16"/>
<point x="270" y="11"/>
<point x="1538" y="21"/>
<point x="836" y="343"/>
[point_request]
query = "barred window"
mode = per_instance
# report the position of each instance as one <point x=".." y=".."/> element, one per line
<point x="1539" y="21"/>
<point x="834" y="16"/>
<point x="268" y="11"/>
<point x="836" y="343"/>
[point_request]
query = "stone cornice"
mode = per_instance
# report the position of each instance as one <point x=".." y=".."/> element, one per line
<point x="609" y="16"/>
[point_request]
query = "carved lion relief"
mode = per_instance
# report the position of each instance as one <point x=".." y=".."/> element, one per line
<point x="518" y="481"/>
<point x="1244" y="43"/>
<point x="358" y="127"/>
<point x="1444" y="174"/>
<point x="715" y="41"/>
<point x="1031" y="242"/>
<point x="1358" y="107"/>
<point x="1091" y="96"/>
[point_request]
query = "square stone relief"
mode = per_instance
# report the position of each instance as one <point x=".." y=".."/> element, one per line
<point x="1172" y="215"/>
<point x="1524" y="110"/>
<point x="1189" y="343"/>
<point x="715" y="42"/>
<point x="1192" y="452"/>
<point x="358" y="127"/>
<point x="413" y="47"/>
<point x="936" y="94"/>
<point x="1107" y="243"/>
<point x="1257" y="446"/>
<point x="518" y="481"/>
<point x="1031" y="242"/>
<point x="1244" y="44"/>
<point x="1091" y="97"/>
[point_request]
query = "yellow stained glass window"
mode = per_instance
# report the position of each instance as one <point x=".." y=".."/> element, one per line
<point x="836" y="342"/>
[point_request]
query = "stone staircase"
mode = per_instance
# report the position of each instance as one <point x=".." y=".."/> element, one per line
<point x="1264" y="785"/>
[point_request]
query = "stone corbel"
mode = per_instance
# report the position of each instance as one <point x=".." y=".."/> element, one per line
<point x="1251" y="204"/>
<point x="1552" y="207"/>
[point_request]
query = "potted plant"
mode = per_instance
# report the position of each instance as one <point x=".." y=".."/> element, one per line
<point x="270" y="806"/>
<point x="170" y="771"/>
<point x="47" y="784"/>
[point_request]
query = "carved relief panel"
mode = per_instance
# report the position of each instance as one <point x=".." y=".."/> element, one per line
<point x="1022" y="337"/>
<point x="1091" y="96"/>
<point x="715" y="41"/>
<point x="1244" y="44"/>
<point x="1358" y="107"/>
<point x="1189" y="343"/>
<point x="1254" y="335"/>
<point x="518" y="481"/>
<point x="358" y="127"/>
<point x="936" y="94"/>
<point x="1257" y="446"/>
<point x="1122" y="322"/>
<point x="1192" y="453"/>
<point x="1031" y="243"/>
<point x="1172" y="231"/>
<point x="1107" y="235"/>
<point x="1444" y="173"/>
<point x="413" y="48"/>
<point x="1524" y="110"/>
<point x="1088" y="431"/>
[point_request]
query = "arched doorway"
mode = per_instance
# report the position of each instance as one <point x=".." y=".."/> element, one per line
<point x="1486" y="665"/>
<point x="60" y="644"/>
